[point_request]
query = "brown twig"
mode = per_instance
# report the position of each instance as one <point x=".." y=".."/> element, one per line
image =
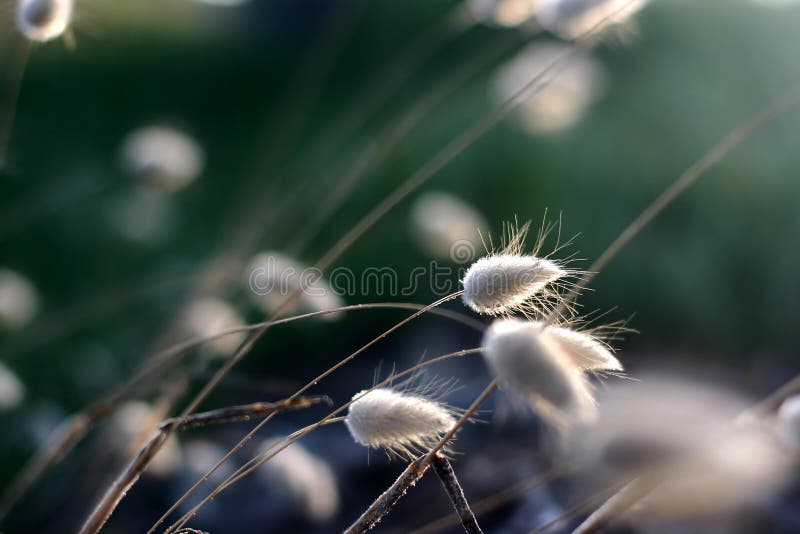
<point x="448" y="477"/>
<point x="389" y="498"/>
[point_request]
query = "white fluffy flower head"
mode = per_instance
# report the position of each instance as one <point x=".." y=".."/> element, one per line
<point x="535" y="365"/>
<point x="510" y="281"/>
<point x="42" y="20"/>
<point x="401" y="423"/>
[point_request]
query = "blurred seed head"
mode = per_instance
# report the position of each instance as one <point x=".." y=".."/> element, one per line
<point x="566" y="94"/>
<point x="207" y="316"/>
<point x="535" y="366"/>
<point x="741" y="468"/>
<point x="271" y="277"/>
<point x="42" y="20"/>
<point x="504" y="13"/>
<point x="162" y="157"/>
<point x="571" y="19"/>
<point x="18" y="300"/>
<point x="12" y="391"/>
<point x="586" y="351"/>
<point x="686" y="433"/>
<point x="788" y="421"/>
<point x="131" y="426"/>
<point x="441" y="222"/>
<point x="308" y="479"/>
<point x="402" y="423"/>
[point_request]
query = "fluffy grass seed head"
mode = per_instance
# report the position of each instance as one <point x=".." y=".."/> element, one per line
<point x="402" y="423"/>
<point x="567" y="94"/>
<point x="535" y="366"/>
<point x="788" y="421"/>
<point x="42" y="20"/>
<point x="162" y="157"/>
<point x="12" y="391"/>
<point x="571" y="19"/>
<point x="208" y="316"/>
<point x="446" y="227"/>
<point x="271" y="277"/>
<point x="511" y="281"/>
<point x="18" y="300"/>
<point x="308" y="479"/>
<point x="503" y="13"/>
<point x="586" y="350"/>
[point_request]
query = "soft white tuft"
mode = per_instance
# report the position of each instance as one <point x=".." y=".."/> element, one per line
<point x="446" y="227"/>
<point x="131" y="426"/>
<point x="536" y="367"/>
<point x="504" y="13"/>
<point x="571" y="19"/>
<point x="18" y="300"/>
<point x="12" y="392"/>
<point x="308" y="478"/>
<point x="162" y="157"/>
<point x="563" y="96"/>
<point x="788" y="421"/>
<point x="401" y="423"/>
<point x="272" y="277"/>
<point x="42" y="20"/>
<point x="501" y="284"/>
<point x="208" y="316"/>
<point x="585" y="350"/>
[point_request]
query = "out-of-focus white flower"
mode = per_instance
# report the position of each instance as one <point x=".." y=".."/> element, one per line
<point x="272" y="277"/>
<point x="12" y="391"/>
<point x="505" y="13"/>
<point x="208" y="316"/>
<point x="128" y="431"/>
<point x="307" y="477"/>
<point x="685" y="434"/>
<point x="571" y="19"/>
<point x="163" y="157"/>
<point x="567" y="90"/>
<point x="42" y="20"/>
<point x="18" y="300"/>
<point x="446" y="227"/>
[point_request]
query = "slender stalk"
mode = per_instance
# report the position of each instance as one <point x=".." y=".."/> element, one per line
<point x="617" y="504"/>
<point x="152" y="446"/>
<point x="500" y="498"/>
<point x="389" y="498"/>
<point x="448" y="477"/>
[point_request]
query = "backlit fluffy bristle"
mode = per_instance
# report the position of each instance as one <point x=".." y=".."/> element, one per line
<point x="510" y="281"/>
<point x="585" y="350"/>
<point x="536" y="367"/>
<point x="42" y="20"/>
<point x="401" y="423"/>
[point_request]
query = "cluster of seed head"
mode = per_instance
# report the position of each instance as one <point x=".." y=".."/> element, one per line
<point x="545" y="364"/>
